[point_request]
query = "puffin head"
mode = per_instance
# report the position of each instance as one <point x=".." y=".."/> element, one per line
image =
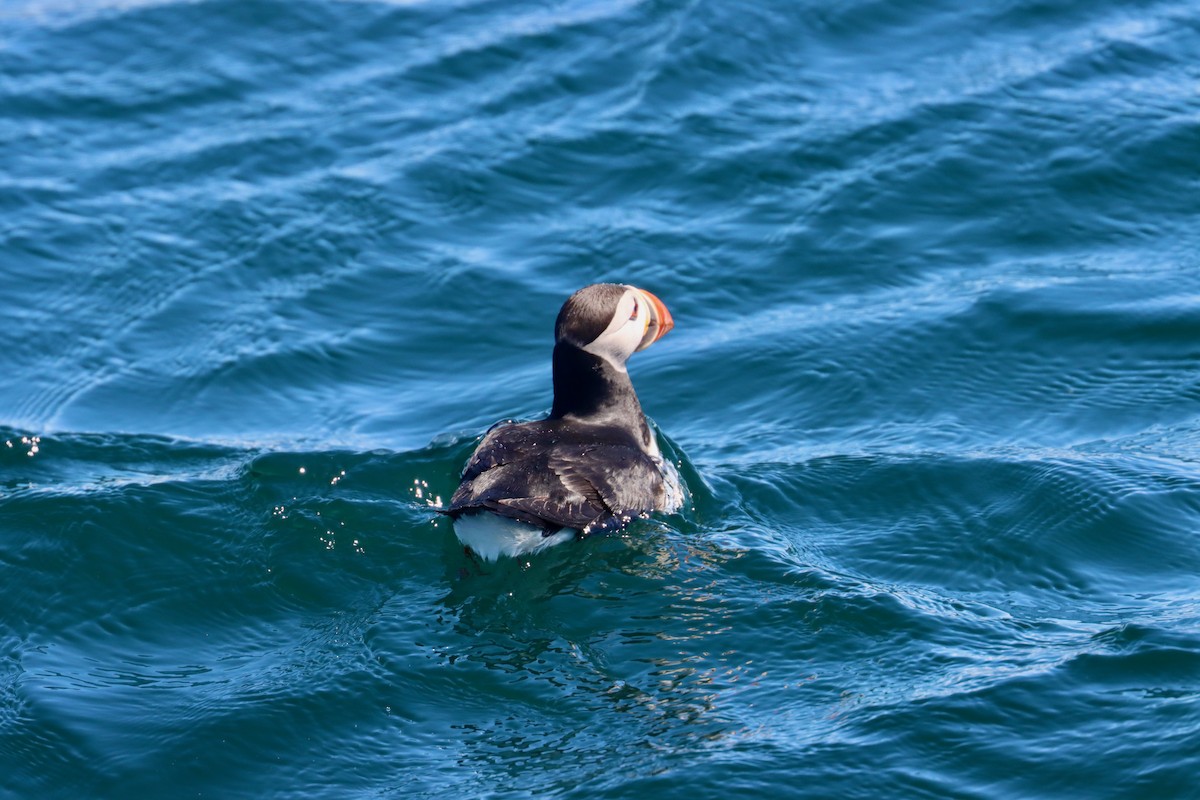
<point x="612" y="321"/>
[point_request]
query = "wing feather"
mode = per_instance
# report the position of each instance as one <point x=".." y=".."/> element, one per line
<point x="523" y="471"/>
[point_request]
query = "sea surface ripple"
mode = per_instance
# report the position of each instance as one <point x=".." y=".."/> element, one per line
<point x="271" y="268"/>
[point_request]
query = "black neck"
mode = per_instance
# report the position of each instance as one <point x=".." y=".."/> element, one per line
<point x="587" y="386"/>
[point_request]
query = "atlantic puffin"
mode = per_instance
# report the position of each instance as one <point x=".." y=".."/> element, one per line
<point x="592" y="465"/>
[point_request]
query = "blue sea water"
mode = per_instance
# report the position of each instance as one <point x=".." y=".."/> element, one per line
<point x="269" y="269"/>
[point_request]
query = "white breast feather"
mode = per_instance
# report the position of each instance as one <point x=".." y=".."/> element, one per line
<point x="491" y="536"/>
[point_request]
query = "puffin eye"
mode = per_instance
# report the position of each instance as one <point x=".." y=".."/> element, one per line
<point x="634" y="313"/>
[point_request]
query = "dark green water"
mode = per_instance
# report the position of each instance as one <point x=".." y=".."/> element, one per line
<point x="269" y="269"/>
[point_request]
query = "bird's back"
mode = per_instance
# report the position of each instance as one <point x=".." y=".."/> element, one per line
<point x="558" y="473"/>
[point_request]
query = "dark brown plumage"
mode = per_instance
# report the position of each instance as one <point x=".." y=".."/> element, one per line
<point x="593" y="463"/>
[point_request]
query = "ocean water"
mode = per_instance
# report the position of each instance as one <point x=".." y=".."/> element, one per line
<point x="269" y="269"/>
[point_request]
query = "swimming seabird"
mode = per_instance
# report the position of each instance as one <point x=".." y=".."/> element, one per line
<point x="593" y="464"/>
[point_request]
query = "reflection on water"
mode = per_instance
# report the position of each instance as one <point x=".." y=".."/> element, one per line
<point x="572" y="644"/>
<point x="270" y="268"/>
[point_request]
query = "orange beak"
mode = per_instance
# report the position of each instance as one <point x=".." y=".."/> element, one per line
<point x="659" y="321"/>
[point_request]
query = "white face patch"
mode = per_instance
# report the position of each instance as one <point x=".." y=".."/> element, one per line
<point x="625" y="331"/>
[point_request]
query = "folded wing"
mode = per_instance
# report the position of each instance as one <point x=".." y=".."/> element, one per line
<point x="549" y="478"/>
